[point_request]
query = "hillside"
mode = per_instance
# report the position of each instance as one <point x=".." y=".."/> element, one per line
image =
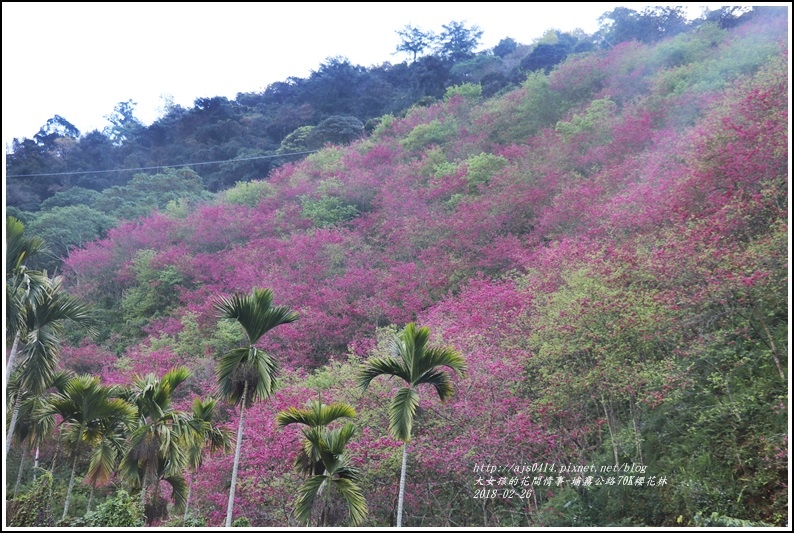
<point x="606" y="245"/>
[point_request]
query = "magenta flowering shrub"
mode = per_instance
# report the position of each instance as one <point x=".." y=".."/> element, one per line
<point x="616" y="278"/>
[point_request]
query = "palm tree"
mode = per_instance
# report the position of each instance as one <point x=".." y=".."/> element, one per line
<point x="204" y="434"/>
<point x="316" y="414"/>
<point x="23" y="286"/>
<point x="30" y="430"/>
<point x="248" y="374"/>
<point x="415" y="363"/>
<point x="41" y="324"/>
<point x="338" y="474"/>
<point x="157" y="449"/>
<point x="92" y="415"/>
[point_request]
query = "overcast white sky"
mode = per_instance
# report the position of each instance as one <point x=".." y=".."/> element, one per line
<point x="78" y="60"/>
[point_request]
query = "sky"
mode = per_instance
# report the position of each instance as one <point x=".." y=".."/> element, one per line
<point x="79" y="60"/>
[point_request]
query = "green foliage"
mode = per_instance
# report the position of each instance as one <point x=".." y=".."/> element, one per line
<point x="179" y="208"/>
<point x="523" y="112"/>
<point x="33" y="509"/>
<point x="328" y="209"/>
<point x="147" y="192"/>
<point x="332" y="374"/>
<point x="64" y="228"/>
<point x="155" y="292"/>
<point x="416" y="364"/>
<point x="505" y="47"/>
<point x="336" y="129"/>
<point x="695" y="65"/>
<point x="327" y="160"/>
<point x="413" y="40"/>
<point x="689" y="47"/>
<point x="434" y="159"/>
<point x="190" y="521"/>
<point x="119" y="511"/>
<point x="69" y="197"/>
<point x="249" y="193"/>
<point x="477" y="68"/>
<point x="423" y="135"/>
<point x="480" y="168"/>
<point x="383" y="124"/>
<point x="23" y="216"/>
<point x="469" y="91"/>
<point x="241" y="522"/>
<point x="195" y="342"/>
<point x="718" y="520"/>
<point x="595" y="117"/>
<point x="457" y="42"/>
<point x="327" y="447"/>
<point x="123" y="123"/>
<point x="297" y="141"/>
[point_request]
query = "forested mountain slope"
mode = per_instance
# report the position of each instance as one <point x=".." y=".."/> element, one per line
<point x="606" y="246"/>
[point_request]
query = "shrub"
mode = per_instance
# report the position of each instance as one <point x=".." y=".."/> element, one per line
<point x="119" y="511"/>
<point x="33" y="509"/>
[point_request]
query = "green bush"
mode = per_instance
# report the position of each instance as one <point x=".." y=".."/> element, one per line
<point x="249" y="193"/>
<point x="466" y="90"/>
<point x="434" y="132"/>
<point x="480" y="168"/>
<point x="119" y="511"/>
<point x="241" y="522"/>
<point x="33" y="509"/>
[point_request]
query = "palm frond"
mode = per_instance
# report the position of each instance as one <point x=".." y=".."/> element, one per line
<point x="179" y="488"/>
<point x="103" y="461"/>
<point x="293" y="415"/>
<point x="316" y="414"/>
<point x="307" y="493"/>
<point x="401" y="413"/>
<point x="442" y="356"/>
<point x="337" y="439"/>
<point x="440" y="380"/>
<point x="204" y="409"/>
<point x="203" y="415"/>
<point x="20" y="248"/>
<point x="409" y="345"/>
<point x="38" y="360"/>
<point x="353" y="495"/>
<point x="171" y="380"/>
<point x="54" y="307"/>
<point x="229" y="374"/>
<point x="246" y="365"/>
<point x="379" y="366"/>
<point x="266" y="378"/>
<point x="254" y="312"/>
<point x="24" y="288"/>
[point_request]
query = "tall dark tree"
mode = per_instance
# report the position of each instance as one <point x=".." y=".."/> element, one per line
<point x="546" y="55"/>
<point x="457" y="42"/>
<point x="332" y="87"/>
<point x="652" y="24"/>
<point x="123" y="123"/>
<point x="505" y="47"/>
<point x="414" y="41"/>
<point x="56" y="128"/>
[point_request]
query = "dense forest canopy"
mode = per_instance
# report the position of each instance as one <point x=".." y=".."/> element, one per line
<point x="538" y="285"/>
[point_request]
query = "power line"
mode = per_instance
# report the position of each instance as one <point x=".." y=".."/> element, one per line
<point x="157" y="167"/>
